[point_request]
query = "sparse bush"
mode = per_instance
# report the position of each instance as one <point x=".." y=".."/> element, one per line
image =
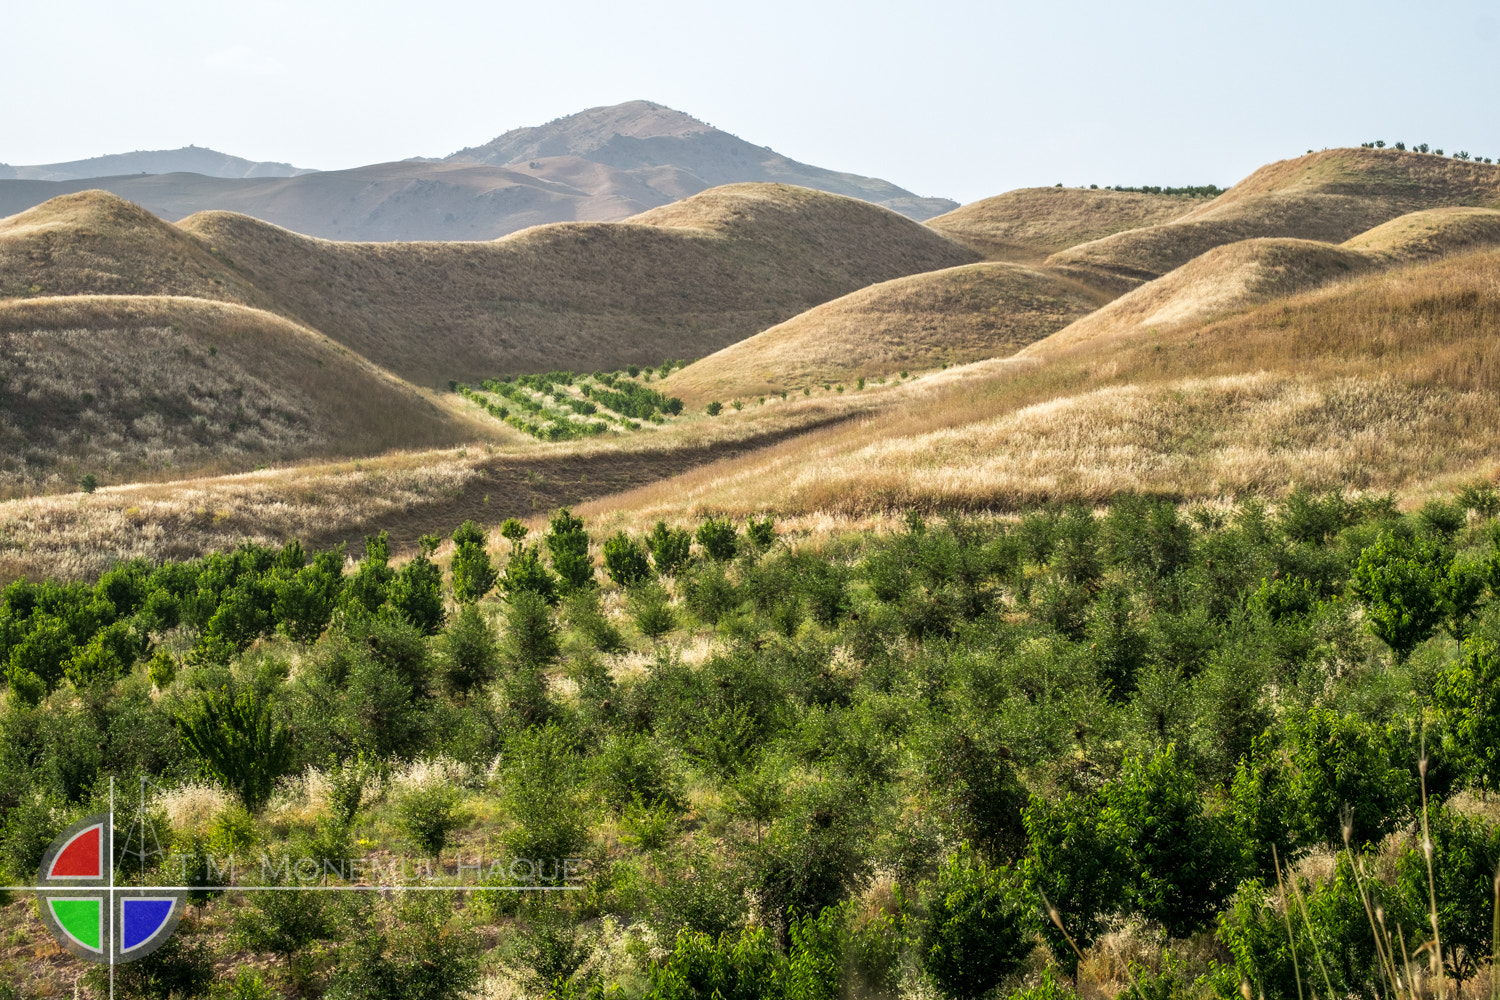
<point x="709" y="593"/>
<point x="237" y="741"/>
<point x="473" y="575"/>
<point x="427" y="815"/>
<point x="669" y="547"/>
<point x="718" y="538"/>
<point x="714" y="409"/>
<point x="625" y="560"/>
<point x="762" y="533"/>
<point x="470" y="652"/>
<point x="582" y="610"/>
<point x="651" y="610"/>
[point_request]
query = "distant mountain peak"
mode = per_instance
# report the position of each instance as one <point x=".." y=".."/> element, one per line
<point x="586" y="132"/>
<point x="676" y="155"/>
<point x="185" y="160"/>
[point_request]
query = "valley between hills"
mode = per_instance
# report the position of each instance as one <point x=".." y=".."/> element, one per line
<point x="1328" y="320"/>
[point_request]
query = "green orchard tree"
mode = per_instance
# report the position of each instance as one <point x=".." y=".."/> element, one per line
<point x="473" y="574"/>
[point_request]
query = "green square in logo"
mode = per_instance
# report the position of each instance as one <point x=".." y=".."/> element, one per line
<point x="82" y="919"/>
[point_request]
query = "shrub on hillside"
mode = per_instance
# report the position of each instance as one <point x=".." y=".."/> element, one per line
<point x="669" y="547"/>
<point x="473" y="575"/>
<point x="625" y="560"/>
<point x="568" y="544"/>
<point x="718" y="538"/>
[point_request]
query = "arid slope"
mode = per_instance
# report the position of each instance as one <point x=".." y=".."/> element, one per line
<point x="1329" y="197"/>
<point x="1242" y="274"/>
<point x="149" y="387"/>
<point x="1387" y="381"/>
<point x="679" y="282"/>
<point x="952" y="316"/>
<point x="1029" y="224"/>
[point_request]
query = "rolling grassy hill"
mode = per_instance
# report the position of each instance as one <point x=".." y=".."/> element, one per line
<point x="151" y="387"/>
<point x="1028" y="225"/>
<point x="1390" y="380"/>
<point x="951" y="316"/>
<point x="89" y="280"/>
<point x="1252" y="271"/>
<point x="681" y="281"/>
<point x="1359" y="352"/>
<point x="1329" y="197"/>
<point x="93" y="243"/>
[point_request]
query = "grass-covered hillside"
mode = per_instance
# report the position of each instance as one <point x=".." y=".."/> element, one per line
<point x="1184" y="751"/>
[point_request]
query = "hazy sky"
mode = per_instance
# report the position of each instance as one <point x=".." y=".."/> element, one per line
<point x="946" y="98"/>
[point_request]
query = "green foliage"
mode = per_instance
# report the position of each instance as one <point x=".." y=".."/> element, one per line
<point x="473" y="575"/>
<point x="417" y="591"/>
<point x="368" y="588"/>
<point x="1186" y="862"/>
<point x="568" y="544"/>
<point x="1465" y="866"/>
<point x="530" y="630"/>
<point x="427" y="815"/>
<point x="709" y="593"/>
<point x="746" y="966"/>
<point x="651" y="610"/>
<point x="470" y="652"/>
<point x="411" y="948"/>
<point x="977" y="929"/>
<point x="1409" y="586"/>
<point x="88" y="483"/>
<point x="625" y="560"/>
<point x="182" y="968"/>
<point x="718" y="538"/>
<point x="582" y="611"/>
<point x="305" y="599"/>
<point x="237" y="741"/>
<point x="982" y="796"/>
<point x="714" y="409"/>
<point x="1467" y="694"/>
<point x="1331" y="943"/>
<point x="1142" y="841"/>
<point x="670" y="548"/>
<point x="761" y="533"/>
<point x="1347" y="770"/>
<point x="541" y="798"/>
<point x="286" y="924"/>
<point x="1130" y="708"/>
<point x="162" y="669"/>
<point x="525" y="573"/>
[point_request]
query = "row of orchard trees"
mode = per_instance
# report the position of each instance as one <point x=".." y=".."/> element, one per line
<point x="51" y="632"/>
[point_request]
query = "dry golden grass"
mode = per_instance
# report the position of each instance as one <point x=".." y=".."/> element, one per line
<point x="953" y="316"/>
<point x="682" y="281"/>
<point x="1434" y="233"/>
<point x="678" y="282"/>
<point x="1329" y="196"/>
<point x="93" y="243"/>
<point x="1389" y="381"/>
<point x="1027" y="225"/>
<point x="1242" y="274"/>
<point x="406" y="493"/>
<point x="150" y="387"/>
